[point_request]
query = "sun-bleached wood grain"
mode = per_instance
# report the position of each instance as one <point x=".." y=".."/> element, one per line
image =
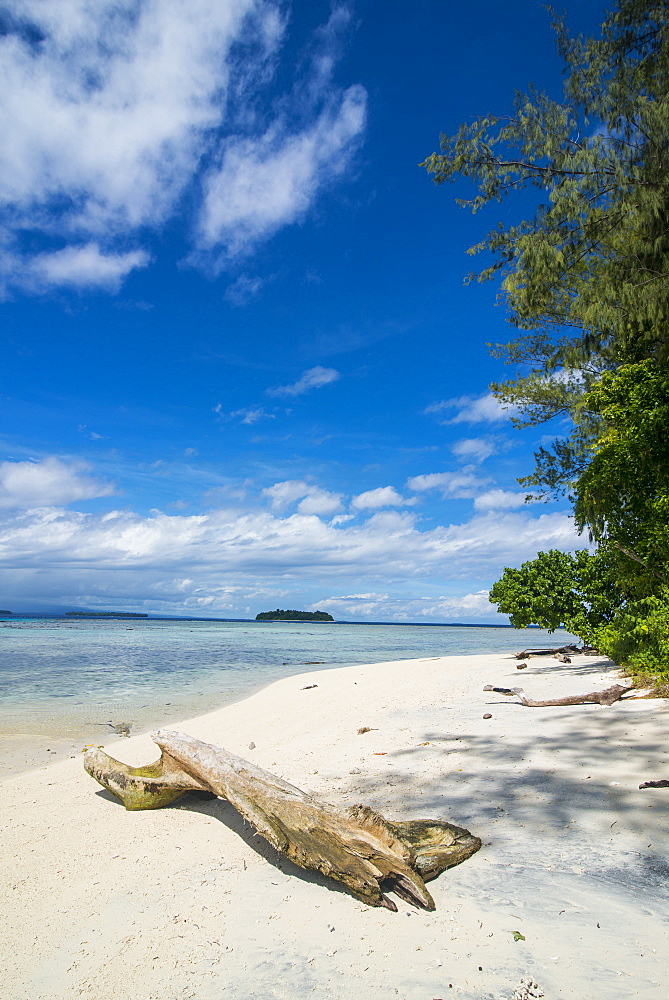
<point x="369" y="854"/>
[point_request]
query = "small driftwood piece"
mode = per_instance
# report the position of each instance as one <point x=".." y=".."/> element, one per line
<point x="120" y="728"/>
<point x="662" y="783"/>
<point x="369" y="854"/>
<point x="606" y="697"/>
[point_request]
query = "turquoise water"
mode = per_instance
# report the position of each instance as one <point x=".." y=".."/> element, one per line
<point x="63" y="680"/>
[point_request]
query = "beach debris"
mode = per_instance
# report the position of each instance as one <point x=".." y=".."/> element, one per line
<point x="662" y="783"/>
<point x="606" y="697"/>
<point x="527" y="989"/>
<point x="488" y="715"/>
<point x="366" y="729"/>
<point x="521" y="666"/>
<point x="562" y="657"/>
<point x="308" y="687"/>
<point x="517" y="936"/>
<point x="369" y="854"/>
<point x="120" y="728"/>
<point x="252" y="745"/>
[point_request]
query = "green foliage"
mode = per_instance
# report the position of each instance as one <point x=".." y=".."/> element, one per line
<point x="638" y="636"/>
<point x="594" y="258"/>
<point x="586" y="280"/>
<point x="294" y="616"/>
<point x="623" y="493"/>
<point x="587" y="276"/>
<point x="578" y="591"/>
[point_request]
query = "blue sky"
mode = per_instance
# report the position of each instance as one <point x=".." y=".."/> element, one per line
<point x="240" y="366"/>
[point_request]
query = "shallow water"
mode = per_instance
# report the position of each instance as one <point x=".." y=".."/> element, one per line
<point x="63" y="681"/>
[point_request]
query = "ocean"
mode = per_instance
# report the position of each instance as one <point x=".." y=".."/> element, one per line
<point x="63" y="681"/>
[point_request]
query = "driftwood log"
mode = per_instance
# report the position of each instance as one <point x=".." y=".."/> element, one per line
<point x="369" y="854"/>
<point x="606" y="697"/>
<point x="661" y="783"/>
<point x="526" y="653"/>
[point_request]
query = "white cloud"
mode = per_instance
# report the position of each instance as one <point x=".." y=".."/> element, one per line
<point x="109" y="111"/>
<point x="463" y="484"/>
<point x="383" y="496"/>
<point x="499" y="500"/>
<point x="360" y="597"/>
<point x="472" y="410"/>
<point x="176" y="562"/>
<point x="313" y="499"/>
<point x="478" y="449"/>
<point x="79" y="267"/>
<point x="342" y="519"/>
<point x="268" y="182"/>
<point x="48" y="482"/>
<point x="320" y="502"/>
<point x="384" y="607"/>
<point x="287" y="492"/>
<point x="260" y="544"/>
<point x="241" y="291"/>
<point x="312" y="378"/>
<point x="248" y="415"/>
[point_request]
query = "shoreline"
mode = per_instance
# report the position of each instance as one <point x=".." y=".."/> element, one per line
<point x="574" y="856"/>
<point x="49" y="712"/>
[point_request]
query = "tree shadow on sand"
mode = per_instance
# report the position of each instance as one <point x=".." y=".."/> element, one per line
<point x="573" y="804"/>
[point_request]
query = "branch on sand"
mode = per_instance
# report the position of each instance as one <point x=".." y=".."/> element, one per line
<point x="606" y="697"/>
<point x="369" y="854"/>
<point x="525" y="654"/>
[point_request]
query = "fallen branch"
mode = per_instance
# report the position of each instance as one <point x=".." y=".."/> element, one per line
<point x="357" y="846"/>
<point x="606" y="697"/>
<point x="662" y="783"/>
<point x="526" y="653"/>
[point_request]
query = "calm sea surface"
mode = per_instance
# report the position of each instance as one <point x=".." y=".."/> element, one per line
<point x="62" y="681"/>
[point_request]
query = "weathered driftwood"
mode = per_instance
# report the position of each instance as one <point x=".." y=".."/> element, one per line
<point x="369" y="854"/>
<point x="662" y="783"/>
<point x="526" y="653"/>
<point x="606" y="697"/>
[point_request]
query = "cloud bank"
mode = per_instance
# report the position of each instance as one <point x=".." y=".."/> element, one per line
<point x="288" y="540"/>
<point x="180" y="563"/>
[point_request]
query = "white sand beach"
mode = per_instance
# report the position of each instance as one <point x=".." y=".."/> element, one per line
<point x="185" y="901"/>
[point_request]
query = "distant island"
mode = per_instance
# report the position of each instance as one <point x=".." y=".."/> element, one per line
<point x="294" y="616"/>
<point x="106" y="614"/>
<point x="6" y="612"/>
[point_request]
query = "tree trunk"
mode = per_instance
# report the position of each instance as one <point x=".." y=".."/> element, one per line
<point x="606" y="697"/>
<point x="356" y="846"/>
